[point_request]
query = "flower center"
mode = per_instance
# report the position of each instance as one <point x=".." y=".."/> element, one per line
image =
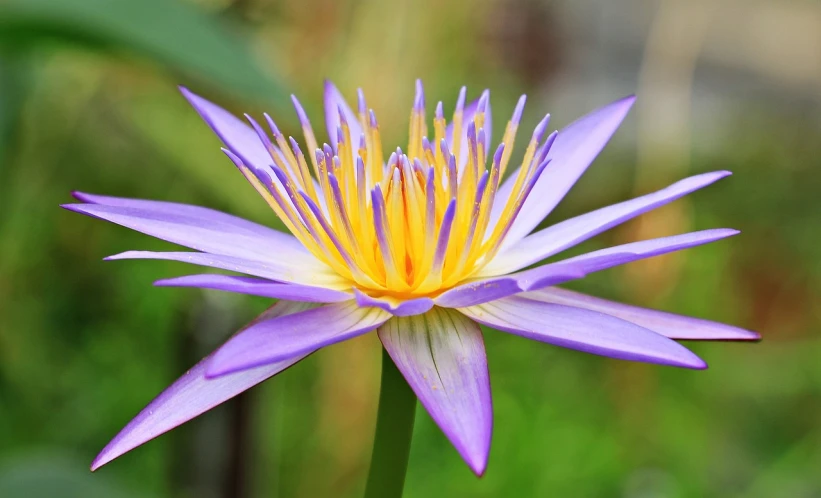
<point x="416" y="225"/>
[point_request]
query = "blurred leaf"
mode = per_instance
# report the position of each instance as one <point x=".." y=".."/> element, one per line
<point x="48" y="475"/>
<point x="13" y="76"/>
<point x="173" y="33"/>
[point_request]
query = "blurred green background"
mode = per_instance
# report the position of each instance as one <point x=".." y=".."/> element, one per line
<point x="88" y="101"/>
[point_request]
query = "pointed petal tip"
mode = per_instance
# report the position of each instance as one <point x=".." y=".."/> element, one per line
<point x="751" y="336"/>
<point x="716" y="234"/>
<point x="72" y="207"/>
<point x="708" y="177"/>
<point x="97" y="463"/>
<point x="192" y="98"/>
<point x="82" y="196"/>
<point x="478" y="465"/>
<point x="476" y="458"/>
<point x="126" y="255"/>
<point x="699" y="365"/>
<point x="738" y="335"/>
<point x="687" y="360"/>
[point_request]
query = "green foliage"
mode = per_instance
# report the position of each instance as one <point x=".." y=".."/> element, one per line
<point x="174" y="34"/>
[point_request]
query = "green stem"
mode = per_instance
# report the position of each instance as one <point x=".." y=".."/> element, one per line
<point x="394" y="428"/>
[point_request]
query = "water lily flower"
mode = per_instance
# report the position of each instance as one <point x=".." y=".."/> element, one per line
<point x="422" y="246"/>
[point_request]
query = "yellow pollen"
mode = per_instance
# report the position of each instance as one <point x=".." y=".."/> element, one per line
<point x="415" y="225"/>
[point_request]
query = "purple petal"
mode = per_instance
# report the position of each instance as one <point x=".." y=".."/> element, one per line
<point x="573" y="151"/>
<point x="667" y="324"/>
<point x="240" y="138"/>
<point x="284" y="337"/>
<point x="556" y="238"/>
<point x="619" y="255"/>
<point x="477" y="292"/>
<point x="442" y="356"/>
<point x="282" y="271"/>
<point x="490" y="289"/>
<point x="203" y="213"/>
<point x="191" y="395"/>
<point x="257" y="287"/>
<point x="581" y="329"/>
<point x="334" y="101"/>
<point x="393" y="306"/>
<point x="199" y="228"/>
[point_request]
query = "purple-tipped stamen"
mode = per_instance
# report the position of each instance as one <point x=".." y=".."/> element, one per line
<point x="483" y="100"/>
<point x="360" y="100"/>
<point x="538" y="133"/>
<point x="263" y="137"/>
<point x="295" y="147"/>
<point x="419" y="99"/>
<point x="517" y="112"/>
<point x="497" y="156"/>
<point x="300" y="112"/>
<point x="273" y="126"/>
<point x="380" y="226"/>
<point x="460" y="101"/>
<point x="444" y="236"/>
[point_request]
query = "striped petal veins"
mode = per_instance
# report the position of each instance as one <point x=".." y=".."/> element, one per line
<point x="414" y="225"/>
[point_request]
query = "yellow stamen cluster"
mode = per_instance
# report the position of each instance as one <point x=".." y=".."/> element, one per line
<point x="414" y="226"/>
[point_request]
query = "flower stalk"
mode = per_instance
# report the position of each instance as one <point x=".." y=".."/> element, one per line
<point x="394" y="429"/>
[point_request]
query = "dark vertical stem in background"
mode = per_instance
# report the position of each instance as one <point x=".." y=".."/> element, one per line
<point x="237" y="483"/>
<point x="210" y="457"/>
<point x="182" y="473"/>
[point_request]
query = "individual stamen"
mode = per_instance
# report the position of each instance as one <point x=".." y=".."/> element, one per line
<point x="396" y="219"/>
<point x="281" y="142"/>
<point x="507" y="223"/>
<point x="487" y="203"/>
<point x="393" y="279"/>
<point x="304" y="174"/>
<point x="361" y="106"/>
<point x="264" y="185"/>
<point x="310" y="138"/>
<point x="463" y="255"/>
<point x="418" y="128"/>
<point x="273" y="151"/>
<point x="458" y="114"/>
<point x="433" y="280"/>
<point x="376" y="167"/>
